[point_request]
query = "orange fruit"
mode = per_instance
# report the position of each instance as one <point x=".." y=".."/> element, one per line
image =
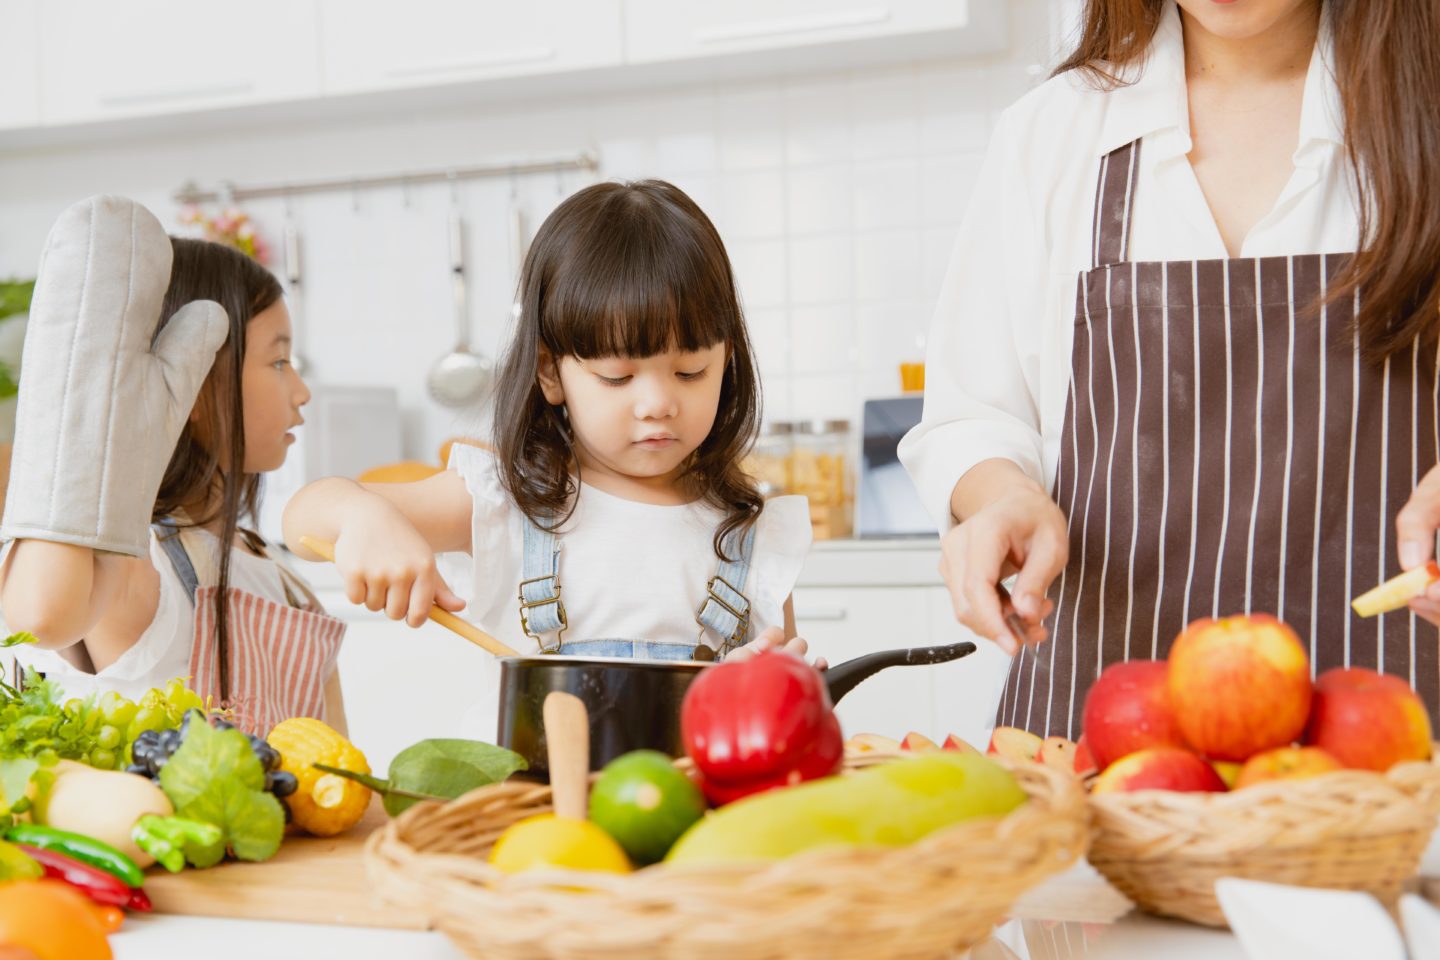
<point x="51" y="920"/>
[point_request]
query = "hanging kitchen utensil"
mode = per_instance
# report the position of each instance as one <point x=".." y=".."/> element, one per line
<point x="462" y="375"/>
<point x="326" y="551"/>
<point x="295" y="289"/>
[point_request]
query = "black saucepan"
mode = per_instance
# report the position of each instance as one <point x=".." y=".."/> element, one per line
<point x="635" y="704"/>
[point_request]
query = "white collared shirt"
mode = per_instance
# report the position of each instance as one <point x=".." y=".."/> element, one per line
<point x="997" y="365"/>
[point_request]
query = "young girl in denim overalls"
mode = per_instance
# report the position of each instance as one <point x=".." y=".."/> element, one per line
<point x="612" y="517"/>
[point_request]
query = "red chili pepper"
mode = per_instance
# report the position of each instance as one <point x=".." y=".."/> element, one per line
<point x="759" y="724"/>
<point x="139" y="900"/>
<point x="95" y="883"/>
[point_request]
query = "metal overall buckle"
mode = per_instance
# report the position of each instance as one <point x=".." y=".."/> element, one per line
<point x="559" y="610"/>
<point x="742" y="617"/>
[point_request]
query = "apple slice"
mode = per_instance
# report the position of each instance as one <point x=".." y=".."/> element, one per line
<point x="1012" y="743"/>
<point x="953" y="742"/>
<point x="1058" y="753"/>
<point x="1397" y="591"/>
<point x="918" y="743"/>
<point x="867" y="742"/>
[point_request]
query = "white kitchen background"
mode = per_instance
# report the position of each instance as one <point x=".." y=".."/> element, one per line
<point x="835" y="158"/>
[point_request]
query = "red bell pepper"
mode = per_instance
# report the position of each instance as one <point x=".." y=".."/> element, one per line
<point x="759" y="724"/>
<point x="99" y="886"/>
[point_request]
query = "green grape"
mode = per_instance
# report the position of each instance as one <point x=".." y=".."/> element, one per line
<point x="117" y="710"/>
<point x="108" y="738"/>
<point x="74" y="707"/>
<point x="47" y="757"/>
<point x="148" y="718"/>
<point x="104" y="759"/>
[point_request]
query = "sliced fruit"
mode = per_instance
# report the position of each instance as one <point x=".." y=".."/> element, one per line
<point x="1397" y="591"/>
<point x="645" y="803"/>
<point x="1084" y="760"/>
<point x="1058" y="753"/>
<point x="918" y="743"/>
<point x="1015" y="744"/>
<point x="953" y="742"/>
<point x="864" y="742"/>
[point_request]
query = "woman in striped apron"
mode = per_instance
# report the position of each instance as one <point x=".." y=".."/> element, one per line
<point x="1212" y="405"/>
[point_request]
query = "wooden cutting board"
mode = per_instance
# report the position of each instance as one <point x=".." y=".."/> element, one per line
<point x="311" y="880"/>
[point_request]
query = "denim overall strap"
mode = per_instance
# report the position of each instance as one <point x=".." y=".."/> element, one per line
<point x="541" y="609"/>
<point x="726" y="610"/>
<point x="168" y="534"/>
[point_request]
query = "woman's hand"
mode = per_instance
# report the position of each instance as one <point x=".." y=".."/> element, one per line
<point x="1020" y="529"/>
<point x="388" y="565"/>
<point x="773" y="638"/>
<point x="1415" y="527"/>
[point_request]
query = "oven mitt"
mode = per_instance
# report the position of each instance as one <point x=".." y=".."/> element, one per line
<point x="101" y="406"/>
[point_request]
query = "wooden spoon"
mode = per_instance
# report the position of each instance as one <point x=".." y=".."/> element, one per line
<point x="567" y="738"/>
<point x="326" y="551"/>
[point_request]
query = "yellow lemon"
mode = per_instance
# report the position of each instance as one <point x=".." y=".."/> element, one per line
<point x="546" y="840"/>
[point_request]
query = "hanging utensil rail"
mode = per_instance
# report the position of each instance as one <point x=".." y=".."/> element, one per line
<point x="193" y="193"/>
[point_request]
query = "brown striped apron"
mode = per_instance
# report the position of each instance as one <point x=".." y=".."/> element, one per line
<point x="1225" y="449"/>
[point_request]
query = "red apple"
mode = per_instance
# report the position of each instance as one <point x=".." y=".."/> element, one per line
<point x="1286" y="763"/>
<point x="1084" y="759"/>
<point x="953" y="742"/>
<point x="1128" y="709"/>
<point x="1239" y="686"/>
<point x="918" y="743"/>
<point x="1159" y="768"/>
<point x="1367" y="720"/>
<point x="1014" y="744"/>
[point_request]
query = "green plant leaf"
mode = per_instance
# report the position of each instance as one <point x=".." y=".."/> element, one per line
<point x="440" y="770"/>
<point x="215" y="777"/>
<point x="15" y="774"/>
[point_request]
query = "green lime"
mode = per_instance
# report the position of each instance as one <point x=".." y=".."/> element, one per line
<point x="645" y="803"/>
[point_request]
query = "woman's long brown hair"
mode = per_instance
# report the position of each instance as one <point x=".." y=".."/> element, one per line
<point x="207" y="467"/>
<point x="1387" y="69"/>
<point x="633" y="270"/>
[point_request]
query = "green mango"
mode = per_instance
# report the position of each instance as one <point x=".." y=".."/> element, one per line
<point x="890" y="805"/>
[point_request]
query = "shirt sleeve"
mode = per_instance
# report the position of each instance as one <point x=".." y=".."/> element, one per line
<point x="979" y="404"/>
<point x="782" y="541"/>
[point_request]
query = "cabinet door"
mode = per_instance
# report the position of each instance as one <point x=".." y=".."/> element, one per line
<point x="658" y="30"/>
<point x="101" y="59"/>
<point x="843" y="624"/>
<point x="968" y="690"/>
<point x="19" y="64"/>
<point x="365" y="47"/>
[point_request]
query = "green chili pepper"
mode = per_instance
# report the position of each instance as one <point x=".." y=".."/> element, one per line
<point x="173" y="840"/>
<point x="78" y="847"/>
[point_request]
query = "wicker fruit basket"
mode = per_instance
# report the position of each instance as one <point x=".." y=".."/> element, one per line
<point x="1349" y="830"/>
<point x="925" y="900"/>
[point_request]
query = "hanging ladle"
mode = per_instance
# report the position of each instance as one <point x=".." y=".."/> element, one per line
<point x="462" y="375"/>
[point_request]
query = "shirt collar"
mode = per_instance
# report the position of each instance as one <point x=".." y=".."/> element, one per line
<point x="1153" y="99"/>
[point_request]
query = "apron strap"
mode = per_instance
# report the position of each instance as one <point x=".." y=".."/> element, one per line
<point x="541" y="609"/>
<point x="726" y="610"/>
<point x="168" y="534"/>
<point x="1114" y="191"/>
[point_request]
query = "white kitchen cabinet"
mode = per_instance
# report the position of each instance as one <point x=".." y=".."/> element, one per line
<point x="966" y="691"/>
<point x="19" y="64"/>
<point x="843" y="623"/>
<point x="665" y="30"/>
<point x="364" y="46"/>
<point x="102" y="60"/>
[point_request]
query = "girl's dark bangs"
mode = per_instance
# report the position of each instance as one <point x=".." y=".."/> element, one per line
<point x="640" y="298"/>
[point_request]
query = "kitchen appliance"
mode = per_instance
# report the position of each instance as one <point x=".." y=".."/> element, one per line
<point x="635" y="704"/>
<point x="347" y="430"/>
<point x="886" y="501"/>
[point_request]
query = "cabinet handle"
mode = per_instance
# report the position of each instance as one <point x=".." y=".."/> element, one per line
<point x="834" y="613"/>
<point x="789" y="25"/>
<point x="525" y="55"/>
<point x="202" y="92"/>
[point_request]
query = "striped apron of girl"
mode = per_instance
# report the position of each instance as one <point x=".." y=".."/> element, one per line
<point x="278" y="656"/>
<point x="1226" y="449"/>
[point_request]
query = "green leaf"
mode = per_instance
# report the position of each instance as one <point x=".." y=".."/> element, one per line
<point x="215" y="777"/>
<point x="16" y="639"/>
<point x="15" y="774"/>
<point x="15" y="296"/>
<point x="447" y="768"/>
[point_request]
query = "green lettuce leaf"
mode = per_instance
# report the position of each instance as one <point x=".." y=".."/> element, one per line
<point x="215" y="777"/>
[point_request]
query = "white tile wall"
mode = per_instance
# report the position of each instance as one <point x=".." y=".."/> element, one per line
<point x="838" y="197"/>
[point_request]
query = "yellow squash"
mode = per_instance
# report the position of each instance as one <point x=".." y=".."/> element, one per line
<point x="324" y="804"/>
